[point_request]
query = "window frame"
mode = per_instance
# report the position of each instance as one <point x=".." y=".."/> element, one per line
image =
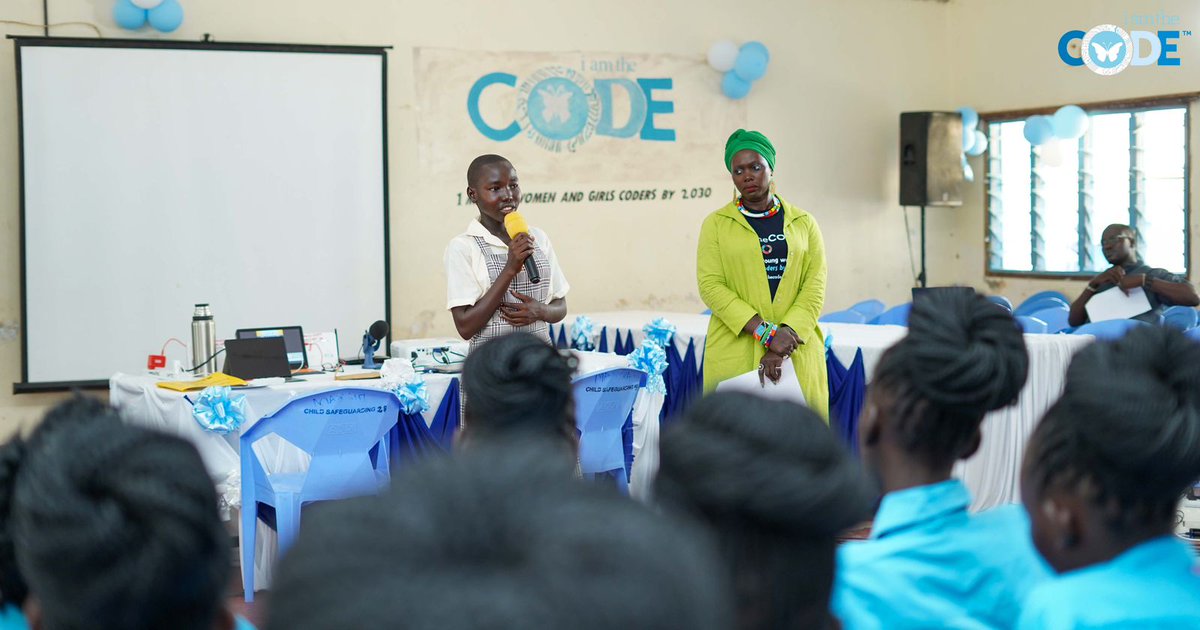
<point x="1186" y="100"/>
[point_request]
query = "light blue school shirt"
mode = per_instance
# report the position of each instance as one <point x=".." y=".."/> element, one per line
<point x="11" y="618"/>
<point x="931" y="564"/>
<point x="1153" y="585"/>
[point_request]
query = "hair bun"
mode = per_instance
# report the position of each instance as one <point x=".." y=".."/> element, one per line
<point x="965" y="352"/>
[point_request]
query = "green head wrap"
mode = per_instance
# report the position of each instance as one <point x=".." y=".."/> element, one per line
<point x="753" y="140"/>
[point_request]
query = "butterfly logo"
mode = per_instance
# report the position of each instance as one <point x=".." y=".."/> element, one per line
<point x="556" y="102"/>
<point x="1107" y="49"/>
<point x="1108" y="55"/>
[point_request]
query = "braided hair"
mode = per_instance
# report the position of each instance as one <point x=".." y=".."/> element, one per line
<point x="519" y="384"/>
<point x="963" y="357"/>
<point x="116" y="526"/>
<point x="774" y="484"/>
<point x="78" y="410"/>
<point x="1126" y="432"/>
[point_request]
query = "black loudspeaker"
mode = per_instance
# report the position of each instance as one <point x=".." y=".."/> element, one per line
<point x="931" y="172"/>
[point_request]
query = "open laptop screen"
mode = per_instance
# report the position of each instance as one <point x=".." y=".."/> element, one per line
<point x="293" y="341"/>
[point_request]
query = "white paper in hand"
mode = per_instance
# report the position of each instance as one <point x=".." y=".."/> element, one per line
<point x="788" y="388"/>
<point x="1114" y="304"/>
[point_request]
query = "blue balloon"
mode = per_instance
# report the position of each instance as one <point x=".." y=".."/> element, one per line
<point x="1038" y="130"/>
<point x="751" y="63"/>
<point x="969" y="118"/>
<point x="1070" y="122"/>
<point x="733" y="86"/>
<point x="167" y="16"/>
<point x="968" y="172"/>
<point x="128" y="16"/>
<point x="980" y="145"/>
<point x="757" y="47"/>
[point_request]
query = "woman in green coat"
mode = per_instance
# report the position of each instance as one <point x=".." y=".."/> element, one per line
<point x="760" y="265"/>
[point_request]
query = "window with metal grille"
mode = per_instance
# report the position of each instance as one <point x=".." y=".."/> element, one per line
<point x="1048" y="204"/>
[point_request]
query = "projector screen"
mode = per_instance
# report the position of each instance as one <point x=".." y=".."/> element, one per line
<point x="158" y="175"/>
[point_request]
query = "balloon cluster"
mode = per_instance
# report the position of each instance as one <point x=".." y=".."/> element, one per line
<point x="742" y="65"/>
<point x="1070" y="122"/>
<point x="164" y="15"/>
<point x="974" y="141"/>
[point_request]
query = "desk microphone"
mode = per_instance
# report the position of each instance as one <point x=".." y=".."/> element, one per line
<point x="515" y="224"/>
<point x="371" y="339"/>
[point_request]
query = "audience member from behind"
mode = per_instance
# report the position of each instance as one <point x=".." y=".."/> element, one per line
<point x="929" y="563"/>
<point x="116" y="527"/>
<point x="1128" y="271"/>
<point x="519" y="387"/>
<point x="771" y="481"/>
<point x="496" y="538"/>
<point x="1102" y="479"/>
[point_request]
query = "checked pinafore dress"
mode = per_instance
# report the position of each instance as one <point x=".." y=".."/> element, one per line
<point x="497" y="326"/>
<point x="539" y="291"/>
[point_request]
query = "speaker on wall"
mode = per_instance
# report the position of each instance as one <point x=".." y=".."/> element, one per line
<point x="931" y="172"/>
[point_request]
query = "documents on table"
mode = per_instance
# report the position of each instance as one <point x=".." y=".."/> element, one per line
<point x="788" y="388"/>
<point x="217" y="379"/>
<point x="1115" y="304"/>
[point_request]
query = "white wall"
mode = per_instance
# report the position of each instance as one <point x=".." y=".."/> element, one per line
<point x="1005" y="58"/>
<point x="841" y="72"/>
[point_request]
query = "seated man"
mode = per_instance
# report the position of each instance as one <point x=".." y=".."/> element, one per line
<point x="1162" y="287"/>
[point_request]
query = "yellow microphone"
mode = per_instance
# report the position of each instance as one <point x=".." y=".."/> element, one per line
<point x="515" y="224"/>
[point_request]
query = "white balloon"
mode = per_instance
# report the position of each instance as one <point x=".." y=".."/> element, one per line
<point x="722" y="55"/>
<point x="146" y="4"/>
<point x="1051" y="153"/>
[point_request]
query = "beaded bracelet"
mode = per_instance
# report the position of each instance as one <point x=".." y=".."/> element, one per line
<point x="766" y="340"/>
<point x="766" y="333"/>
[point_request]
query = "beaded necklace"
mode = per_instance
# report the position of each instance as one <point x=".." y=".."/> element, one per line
<point x="770" y="212"/>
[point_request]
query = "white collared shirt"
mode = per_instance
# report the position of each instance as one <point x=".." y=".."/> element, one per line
<point x="467" y="276"/>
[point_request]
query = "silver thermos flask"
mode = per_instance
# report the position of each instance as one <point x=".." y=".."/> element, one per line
<point x="204" y="341"/>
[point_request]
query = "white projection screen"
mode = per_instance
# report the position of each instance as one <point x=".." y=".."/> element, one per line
<point x="157" y="175"/>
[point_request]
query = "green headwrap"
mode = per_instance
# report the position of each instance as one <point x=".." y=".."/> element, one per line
<point x="753" y="140"/>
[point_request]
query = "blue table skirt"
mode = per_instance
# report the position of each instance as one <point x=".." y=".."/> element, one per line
<point x="684" y="377"/>
<point x="685" y="381"/>
<point x="847" y="390"/>
<point x="412" y="439"/>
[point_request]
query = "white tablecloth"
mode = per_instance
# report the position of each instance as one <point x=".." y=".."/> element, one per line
<point x="143" y="403"/>
<point x="688" y="327"/>
<point x="992" y="474"/>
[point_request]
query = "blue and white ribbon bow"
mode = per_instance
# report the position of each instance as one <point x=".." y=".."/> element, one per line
<point x="413" y="395"/>
<point x="219" y="412"/>
<point x="660" y="331"/>
<point x="583" y="334"/>
<point x="651" y="359"/>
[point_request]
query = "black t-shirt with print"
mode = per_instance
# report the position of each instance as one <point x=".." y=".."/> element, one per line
<point x="774" y="247"/>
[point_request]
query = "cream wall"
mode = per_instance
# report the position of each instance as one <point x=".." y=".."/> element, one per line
<point x="1005" y="58"/>
<point x="840" y="73"/>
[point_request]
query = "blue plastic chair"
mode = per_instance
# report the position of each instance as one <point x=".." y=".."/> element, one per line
<point x="1181" y="317"/>
<point x="896" y="316"/>
<point x="1041" y="300"/>
<point x="844" y="317"/>
<point x="1032" y="325"/>
<point x="1193" y="334"/>
<point x="869" y="308"/>
<point x="1110" y="329"/>
<point x="603" y="402"/>
<point x="1055" y="318"/>
<point x="338" y="428"/>
<point x="1001" y="300"/>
